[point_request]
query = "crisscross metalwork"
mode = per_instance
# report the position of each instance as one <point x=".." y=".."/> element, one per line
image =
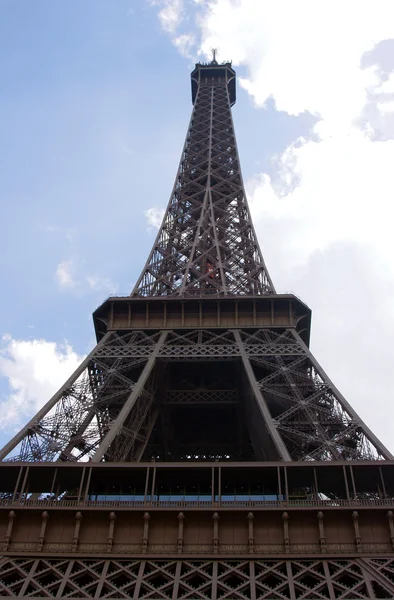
<point x="306" y="579"/>
<point x="206" y="244"/>
<point x="206" y="365"/>
<point x="109" y="408"/>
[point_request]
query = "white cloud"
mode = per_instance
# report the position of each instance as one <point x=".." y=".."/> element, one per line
<point x="308" y="60"/>
<point x="335" y="190"/>
<point x="387" y="86"/>
<point x="35" y="369"/>
<point x="386" y="107"/>
<point x="154" y="216"/>
<point x="70" y="277"/>
<point x="170" y="14"/>
<point x="184" y="43"/>
<point x="65" y="275"/>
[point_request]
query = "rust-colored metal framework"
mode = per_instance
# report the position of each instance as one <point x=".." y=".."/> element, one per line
<point x="272" y="530"/>
<point x="206" y="244"/>
<point x="222" y="460"/>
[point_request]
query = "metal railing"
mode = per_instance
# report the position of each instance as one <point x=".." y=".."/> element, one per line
<point x="180" y="504"/>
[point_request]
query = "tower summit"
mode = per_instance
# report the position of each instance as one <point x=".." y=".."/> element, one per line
<point x="199" y="451"/>
<point x="207" y="244"/>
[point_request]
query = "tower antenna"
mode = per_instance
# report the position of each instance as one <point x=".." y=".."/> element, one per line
<point x="215" y="52"/>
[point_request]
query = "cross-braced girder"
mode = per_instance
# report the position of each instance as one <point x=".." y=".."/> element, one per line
<point x="183" y="374"/>
<point x="344" y="578"/>
<point x="199" y="394"/>
<point x="203" y="392"/>
<point x="206" y="244"/>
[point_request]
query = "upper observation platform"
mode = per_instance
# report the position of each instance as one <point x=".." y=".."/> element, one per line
<point x="214" y="72"/>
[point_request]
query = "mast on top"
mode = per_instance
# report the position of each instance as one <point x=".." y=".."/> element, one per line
<point x="214" y="53"/>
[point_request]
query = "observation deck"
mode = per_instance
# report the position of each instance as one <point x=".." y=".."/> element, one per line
<point x="214" y="72"/>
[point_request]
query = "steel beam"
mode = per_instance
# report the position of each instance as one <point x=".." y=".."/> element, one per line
<point x="271" y="427"/>
<point x="117" y="425"/>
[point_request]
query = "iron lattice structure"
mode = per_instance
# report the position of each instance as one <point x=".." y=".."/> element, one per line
<point x="113" y="408"/>
<point x="313" y="579"/>
<point x="200" y="403"/>
<point x="146" y="395"/>
<point x="206" y="243"/>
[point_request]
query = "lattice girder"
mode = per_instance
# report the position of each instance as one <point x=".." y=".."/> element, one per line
<point x="206" y="244"/>
<point x="187" y="579"/>
<point x="126" y="402"/>
<point x="109" y="409"/>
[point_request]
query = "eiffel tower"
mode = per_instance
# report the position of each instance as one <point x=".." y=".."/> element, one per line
<point x="200" y="451"/>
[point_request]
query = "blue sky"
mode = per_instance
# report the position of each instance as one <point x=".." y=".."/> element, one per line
<point x="94" y="107"/>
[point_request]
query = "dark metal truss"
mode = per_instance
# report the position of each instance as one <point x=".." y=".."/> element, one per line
<point x="277" y="579"/>
<point x="206" y="244"/>
<point x="109" y="408"/>
<point x="119" y="405"/>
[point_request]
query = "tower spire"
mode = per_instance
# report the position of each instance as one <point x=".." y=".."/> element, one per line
<point x="206" y="244"/>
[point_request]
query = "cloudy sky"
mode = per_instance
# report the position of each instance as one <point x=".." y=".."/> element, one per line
<point x="94" y="107"/>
